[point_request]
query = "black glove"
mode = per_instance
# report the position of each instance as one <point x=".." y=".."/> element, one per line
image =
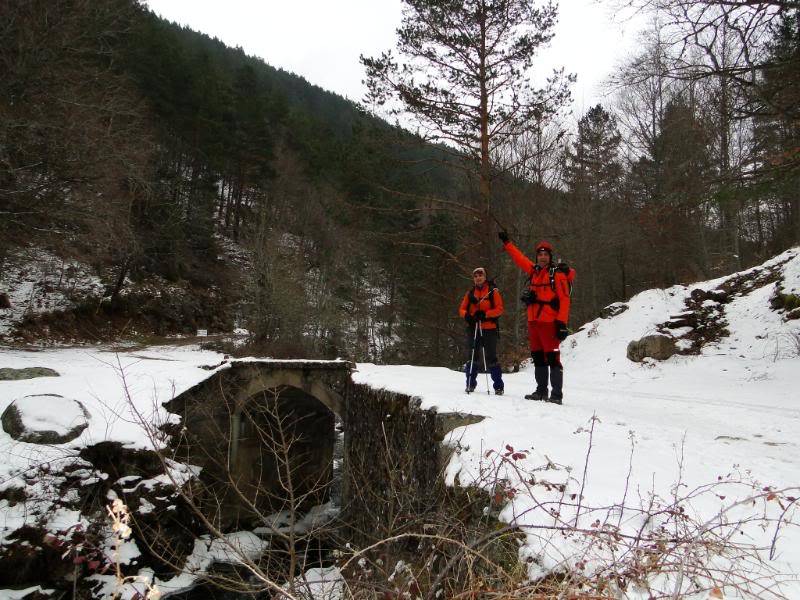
<point x="480" y="315"/>
<point x="469" y="319"/>
<point x="503" y="237"/>
<point x="561" y="330"/>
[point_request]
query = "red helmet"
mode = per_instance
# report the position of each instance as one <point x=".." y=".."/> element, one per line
<point x="543" y="245"/>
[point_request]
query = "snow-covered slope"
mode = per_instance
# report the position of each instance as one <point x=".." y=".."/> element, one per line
<point x="39" y="282"/>
<point x="756" y="363"/>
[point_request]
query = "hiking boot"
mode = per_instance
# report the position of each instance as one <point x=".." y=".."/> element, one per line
<point x="498" y="392"/>
<point x="537" y="395"/>
<point x="470" y="388"/>
<point x="554" y="400"/>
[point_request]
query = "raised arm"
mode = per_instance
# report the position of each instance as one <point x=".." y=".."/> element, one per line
<point x="522" y="261"/>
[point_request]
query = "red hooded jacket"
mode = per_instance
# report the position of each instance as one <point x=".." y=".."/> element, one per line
<point x="544" y="309"/>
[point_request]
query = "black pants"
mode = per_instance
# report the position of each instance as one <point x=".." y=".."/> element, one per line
<point x="486" y="340"/>
<point x="548" y="364"/>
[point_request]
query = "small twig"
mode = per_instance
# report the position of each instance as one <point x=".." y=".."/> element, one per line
<point x="594" y="419"/>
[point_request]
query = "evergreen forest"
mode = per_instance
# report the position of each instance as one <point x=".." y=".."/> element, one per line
<point x="209" y="189"/>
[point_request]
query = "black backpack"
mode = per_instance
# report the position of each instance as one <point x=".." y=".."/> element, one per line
<point x="529" y="296"/>
<point x="564" y="268"/>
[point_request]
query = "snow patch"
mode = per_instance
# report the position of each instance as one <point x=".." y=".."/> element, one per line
<point x="320" y="583"/>
<point x="19" y="594"/>
<point x="37" y="282"/>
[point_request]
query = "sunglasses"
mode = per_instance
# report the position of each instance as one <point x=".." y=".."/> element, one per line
<point x="479" y="274"/>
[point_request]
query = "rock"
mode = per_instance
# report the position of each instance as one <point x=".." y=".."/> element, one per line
<point x="659" y="347"/>
<point x="612" y="310"/>
<point x="447" y="422"/>
<point x="45" y="419"/>
<point x="686" y="319"/>
<point x="5" y="301"/>
<point x="700" y="296"/>
<point x="32" y="556"/>
<point x="8" y="374"/>
<point x="118" y="461"/>
<point x="719" y="296"/>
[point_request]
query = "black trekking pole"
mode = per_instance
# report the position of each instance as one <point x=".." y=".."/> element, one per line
<point x="485" y="370"/>
<point x="499" y="224"/>
<point x="472" y="358"/>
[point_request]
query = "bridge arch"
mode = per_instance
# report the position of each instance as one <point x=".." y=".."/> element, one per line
<point x="233" y="422"/>
<point x="302" y="379"/>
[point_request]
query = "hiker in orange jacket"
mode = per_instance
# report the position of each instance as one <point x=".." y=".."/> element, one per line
<point x="481" y="308"/>
<point x="548" y="298"/>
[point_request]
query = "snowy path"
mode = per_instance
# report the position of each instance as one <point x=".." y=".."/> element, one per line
<point x="718" y="433"/>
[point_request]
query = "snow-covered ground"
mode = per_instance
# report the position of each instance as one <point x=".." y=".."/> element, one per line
<point x="728" y="417"/>
<point x="629" y="434"/>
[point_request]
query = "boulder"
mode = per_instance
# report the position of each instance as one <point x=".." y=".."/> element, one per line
<point x="8" y="374"/>
<point x="659" y="347"/>
<point x="45" y="419"/>
<point x="720" y="296"/>
<point x="612" y="310"/>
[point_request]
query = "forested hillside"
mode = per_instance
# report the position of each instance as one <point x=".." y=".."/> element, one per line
<point x="203" y="188"/>
<point x="157" y="154"/>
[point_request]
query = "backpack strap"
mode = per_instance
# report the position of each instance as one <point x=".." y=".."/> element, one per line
<point x="490" y="296"/>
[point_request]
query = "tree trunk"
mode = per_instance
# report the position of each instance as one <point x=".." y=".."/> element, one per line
<point x="485" y="254"/>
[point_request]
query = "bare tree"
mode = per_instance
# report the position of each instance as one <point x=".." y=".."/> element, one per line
<point x="74" y="151"/>
<point x="744" y="56"/>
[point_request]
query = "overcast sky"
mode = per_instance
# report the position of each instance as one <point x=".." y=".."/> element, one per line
<point x="322" y="39"/>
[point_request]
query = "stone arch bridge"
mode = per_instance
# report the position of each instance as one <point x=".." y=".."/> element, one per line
<point x="265" y="434"/>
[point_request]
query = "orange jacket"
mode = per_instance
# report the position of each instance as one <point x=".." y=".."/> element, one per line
<point x="543" y="309"/>
<point x="483" y="303"/>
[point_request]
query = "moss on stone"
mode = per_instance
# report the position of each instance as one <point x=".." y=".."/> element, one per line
<point x="789" y="301"/>
<point x="8" y="374"/>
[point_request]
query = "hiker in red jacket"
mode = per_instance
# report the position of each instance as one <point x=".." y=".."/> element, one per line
<point x="481" y="308"/>
<point x="547" y="297"/>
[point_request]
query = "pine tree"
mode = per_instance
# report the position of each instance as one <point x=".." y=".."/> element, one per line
<point x="462" y="74"/>
<point x="777" y="134"/>
<point x="593" y="166"/>
<point x="593" y="174"/>
<point x="671" y="188"/>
